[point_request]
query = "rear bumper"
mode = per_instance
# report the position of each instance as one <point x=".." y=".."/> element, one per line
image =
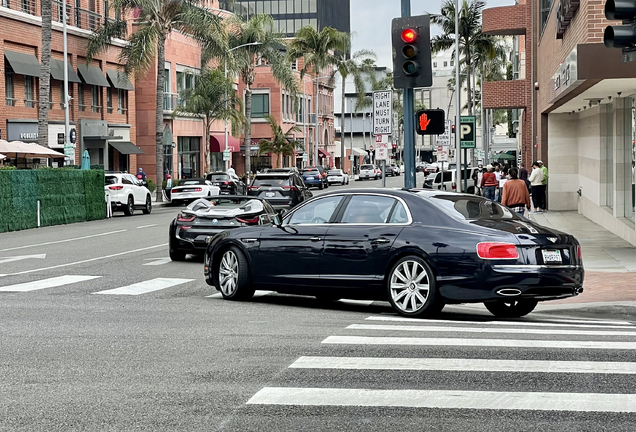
<point x="511" y="282"/>
<point x="196" y="241"/>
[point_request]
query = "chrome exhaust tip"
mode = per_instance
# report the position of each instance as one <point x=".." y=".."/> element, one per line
<point x="509" y="292"/>
<point x="578" y="290"/>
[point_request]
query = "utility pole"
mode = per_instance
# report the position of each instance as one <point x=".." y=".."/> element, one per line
<point x="458" y="107"/>
<point x="409" y="127"/>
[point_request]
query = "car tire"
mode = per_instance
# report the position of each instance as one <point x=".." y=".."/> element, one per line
<point x="511" y="308"/>
<point x="320" y="186"/>
<point x="343" y="182"/>
<point x="471" y="190"/>
<point x="411" y="288"/>
<point x="129" y="210"/>
<point x="148" y="208"/>
<point x="234" y="276"/>
<point x="175" y="254"/>
<point x="327" y="185"/>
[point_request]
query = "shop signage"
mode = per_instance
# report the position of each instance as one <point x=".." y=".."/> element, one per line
<point x="29" y="136"/>
<point x="565" y="12"/>
<point x="22" y="131"/>
<point x="566" y="76"/>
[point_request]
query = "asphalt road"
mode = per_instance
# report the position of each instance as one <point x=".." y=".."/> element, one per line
<point x="78" y="351"/>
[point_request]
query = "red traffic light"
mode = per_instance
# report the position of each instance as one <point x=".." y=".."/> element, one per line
<point x="409" y="35"/>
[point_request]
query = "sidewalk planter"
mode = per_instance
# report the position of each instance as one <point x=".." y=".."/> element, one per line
<point x="66" y="196"/>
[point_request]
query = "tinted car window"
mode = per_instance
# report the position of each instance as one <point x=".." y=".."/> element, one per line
<point x="271" y="181"/>
<point x="109" y="180"/>
<point x="366" y="167"/>
<point x="126" y="180"/>
<point x="335" y="172"/>
<point x="219" y="177"/>
<point x="318" y="211"/>
<point x="311" y="172"/>
<point x="192" y="182"/>
<point x="399" y="214"/>
<point x="471" y="208"/>
<point x="368" y="209"/>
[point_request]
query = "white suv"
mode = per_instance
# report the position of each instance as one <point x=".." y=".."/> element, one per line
<point x="369" y="171"/>
<point x="127" y="193"/>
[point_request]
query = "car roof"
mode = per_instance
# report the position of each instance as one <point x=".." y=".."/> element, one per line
<point x="193" y="179"/>
<point x="274" y="174"/>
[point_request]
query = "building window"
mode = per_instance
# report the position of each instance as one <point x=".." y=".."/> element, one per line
<point x="26" y="6"/>
<point x="260" y="105"/>
<point x="95" y="100"/>
<point x="189" y="149"/>
<point x="546" y="6"/>
<point x="28" y="92"/>
<point x="445" y="64"/>
<point x="434" y="64"/>
<point x="50" y="96"/>
<point x="80" y="97"/>
<point x="452" y="63"/>
<point x="109" y="100"/>
<point x="122" y="102"/>
<point x="8" y="87"/>
<point x="607" y="117"/>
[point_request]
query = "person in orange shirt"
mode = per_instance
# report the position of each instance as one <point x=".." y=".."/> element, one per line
<point x="515" y="194"/>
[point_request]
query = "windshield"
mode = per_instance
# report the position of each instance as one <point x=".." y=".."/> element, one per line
<point x="271" y="181"/>
<point x="310" y="172"/>
<point x="335" y="172"/>
<point x="192" y="182"/>
<point x="219" y="177"/>
<point x="465" y="208"/>
<point x="366" y="167"/>
<point x="109" y="180"/>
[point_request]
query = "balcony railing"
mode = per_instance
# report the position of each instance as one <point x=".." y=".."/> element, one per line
<point x="30" y="103"/>
<point x="172" y="101"/>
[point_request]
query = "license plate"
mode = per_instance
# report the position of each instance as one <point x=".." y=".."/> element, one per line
<point x="309" y="178"/>
<point x="270" y="194"/>
<point x="551" y="256"/>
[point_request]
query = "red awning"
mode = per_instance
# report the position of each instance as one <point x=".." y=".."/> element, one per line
<point x="217" y="143"/>
<point x="324" y="153"/>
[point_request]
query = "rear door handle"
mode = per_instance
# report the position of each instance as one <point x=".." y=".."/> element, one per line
<point x="315" y="239"/>
<point x="381" y="240"/>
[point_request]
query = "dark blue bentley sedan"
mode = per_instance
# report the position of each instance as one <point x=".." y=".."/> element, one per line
<point x="418" y="249"/>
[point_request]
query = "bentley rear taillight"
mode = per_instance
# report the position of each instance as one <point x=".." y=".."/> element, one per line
<point x="497" y="251"/>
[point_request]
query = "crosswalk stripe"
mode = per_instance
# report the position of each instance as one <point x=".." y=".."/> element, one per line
<point x="504" y="323"/>
<point x="146" y="286"/>
<point x="509" y="343"/>
<point x="450" y="399"/>
<point x="47" y="283"/>
<point x="468" y="365"/>
<point x="489" y="330"/>
<point x="257" y="293"/>
<point x="577" y="321"/>
<point x="158" y="261"/>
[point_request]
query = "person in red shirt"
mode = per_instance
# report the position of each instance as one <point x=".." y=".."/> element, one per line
<point x="489" y="183"/>
<point x="515" y="194"/>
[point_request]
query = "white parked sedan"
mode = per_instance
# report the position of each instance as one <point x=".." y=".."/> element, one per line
<point x="191" y="189"/>
<point x="337" y="176"/>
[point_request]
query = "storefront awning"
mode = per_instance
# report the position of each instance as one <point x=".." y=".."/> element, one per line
<point x="359" y="152"/>
<point x="119" y="80"/>
<point x="125" y="147"/>
<point x="217" y="143"/>
<point x="92" y="75"/>
<point x="324" y="153"/>
<point x="101" y="138"/>
<point x="23" y="64"/>
<point x="57" y="71"/>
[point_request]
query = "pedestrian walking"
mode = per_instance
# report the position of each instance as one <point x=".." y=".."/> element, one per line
<point x="478" y="174"/>
<point x="523" y="175"/>
<point x="231" y="171"/>
<point x="514" y="194"/>
<point x="498" y="175"/>
<point x="489" y="183"/>
<point x="544" y="186"/>
<point x="141" y="175"/>
<point x="536" y="179"/>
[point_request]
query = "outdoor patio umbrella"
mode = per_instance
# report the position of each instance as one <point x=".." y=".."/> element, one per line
<point x="27" y="150"/>
<point x="504" y="156"/>
<point x="2" y="156"/>
<point x="86" y="161"/>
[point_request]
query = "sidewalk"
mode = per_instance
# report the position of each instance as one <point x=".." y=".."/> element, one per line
<point x="609" y="261"/>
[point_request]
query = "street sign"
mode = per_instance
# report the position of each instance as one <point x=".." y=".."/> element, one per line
<point x="467" y="132"/>
<point x="73" y="136"/>
<point x="381" y="147"/>
<point x="382" y="112"/>
<point x="445" y="138"/>
<point x="430" y="122"/>
<point x="226" y="155"/>
<point x="442" y="154"/>
<point x="306" y="157"/>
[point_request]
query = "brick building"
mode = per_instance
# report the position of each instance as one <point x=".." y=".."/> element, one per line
<point x="100" y="109"/>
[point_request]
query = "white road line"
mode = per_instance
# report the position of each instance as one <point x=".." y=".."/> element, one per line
<point x="257" y="293"/>
<point x="577" y="321"/>
<point x="146" y="286"/>
<point x="453" y="329"/>
<point x="509" y="323"/>
<point x="63" y="241"/>
<point x="46" y="283"/>
<point x="468" y="365"/>
<point x="508" y="343"/>
<point x="20" y="258"/>
<point x="158" y="261"/>
<point x="89" y="260"/>
<point x="147" y="226"/>
<point x="450" y="399"/>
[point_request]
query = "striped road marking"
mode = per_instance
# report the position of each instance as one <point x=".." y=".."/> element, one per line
<point x="158" y="261"/>
<point x="469" y="365"/>
<point x="490" y="330"/>
<point x="146" y="286"/>
<point x="625" y="325"/>
<point x="47" y="283"/>
<point x="450" y="399"/>
<point x="509" y="343"/>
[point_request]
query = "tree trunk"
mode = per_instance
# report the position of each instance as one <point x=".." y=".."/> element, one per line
<point x="45" y="76"/>
<point x="469" y="96"/>
<point x="161" y="59"/>
<point x="207" y="121"/>
<point x="248" y="129"/>
<point x="342" y="127"/>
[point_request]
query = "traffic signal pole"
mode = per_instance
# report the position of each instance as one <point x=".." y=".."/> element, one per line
<point x="458" y="107"/>
<point x="409" y="127"/>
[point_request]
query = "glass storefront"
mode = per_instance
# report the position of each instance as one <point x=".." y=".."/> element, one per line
<point x="189" y="154"/>
<point x="630" y="160"/>
<point x="608" y="118"/>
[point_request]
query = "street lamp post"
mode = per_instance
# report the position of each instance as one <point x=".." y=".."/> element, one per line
<point x="315" y="116"/>
<point x="247" y="151"/>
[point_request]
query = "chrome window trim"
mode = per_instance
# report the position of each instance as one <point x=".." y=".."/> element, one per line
<point x="513" y="268"/>
<point x="345" y="194"/>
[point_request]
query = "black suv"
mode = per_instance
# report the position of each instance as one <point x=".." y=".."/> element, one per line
<point x="229" y="185"/>
<point x="281" y="190"/>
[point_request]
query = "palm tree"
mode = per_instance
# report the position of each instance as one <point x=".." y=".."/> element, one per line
<point x="472" y="42"/>
<point x="280" y="144"/>
<point x="45" y="75"/>
<point x="351" y="66"/>
<point x="155" y="20"/>
<point x="251" y="42"/>
<point x="212" y="98"/>
<point x="320" y="50"/>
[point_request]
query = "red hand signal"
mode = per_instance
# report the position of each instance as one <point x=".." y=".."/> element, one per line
<point x="424" y="122"/>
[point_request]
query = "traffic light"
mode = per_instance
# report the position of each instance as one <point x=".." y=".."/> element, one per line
<point x="411" y="39"/>
<point x="453" y="129"/>
<point x="623" y="36"/>
<point x="430" y="122"/>
<point x="394" y="148"/>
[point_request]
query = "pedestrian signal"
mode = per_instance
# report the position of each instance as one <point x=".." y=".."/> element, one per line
<point x="430" y="122"/>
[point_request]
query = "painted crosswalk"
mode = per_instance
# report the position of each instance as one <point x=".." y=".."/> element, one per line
<point x="46" y="283"/>
<point x="567" y="340"/>
<point x="146" y="286"/>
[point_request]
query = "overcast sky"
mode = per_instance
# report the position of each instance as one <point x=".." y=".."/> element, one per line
<point x="371" y="23"/>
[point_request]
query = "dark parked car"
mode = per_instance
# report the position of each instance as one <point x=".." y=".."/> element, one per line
<point x="209" y="216"/>
<point x="418" y="249"/>
<point x="315" y="176"/>
<point x="281" y="190"/>
<point x="229" y="184"/>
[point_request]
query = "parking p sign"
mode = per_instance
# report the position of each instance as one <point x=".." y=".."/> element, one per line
<point x="467" y="132"/>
